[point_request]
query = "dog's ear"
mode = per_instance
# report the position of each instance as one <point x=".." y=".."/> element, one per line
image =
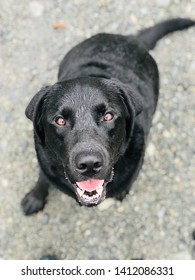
<point x="34" y="111"/>
<point x="133" y="105"/>
<point x="36" y="103"/>
<point x="130" y="96"/>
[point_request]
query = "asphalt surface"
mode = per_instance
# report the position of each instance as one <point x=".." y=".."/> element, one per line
<point x="157" y="219"/>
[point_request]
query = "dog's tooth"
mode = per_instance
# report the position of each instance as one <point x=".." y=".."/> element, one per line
<point x="100" y="188"/>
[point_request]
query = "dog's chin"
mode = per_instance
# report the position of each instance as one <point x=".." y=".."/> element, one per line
<point x="91" y="192"/>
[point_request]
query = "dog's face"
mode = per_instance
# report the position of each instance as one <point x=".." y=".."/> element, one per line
<point x="86" y="123"/>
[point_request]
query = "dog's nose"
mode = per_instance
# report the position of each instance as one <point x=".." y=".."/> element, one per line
<point x="89" y="164"/>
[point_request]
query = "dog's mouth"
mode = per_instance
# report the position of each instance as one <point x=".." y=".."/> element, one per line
<point x="91" y="192"/>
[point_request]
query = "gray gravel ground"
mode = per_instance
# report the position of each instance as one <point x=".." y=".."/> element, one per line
<point x="157" y="219"/>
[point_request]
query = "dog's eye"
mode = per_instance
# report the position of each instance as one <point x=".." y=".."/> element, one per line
<point x="108" y="117"/>
<point x="60" y="121"/>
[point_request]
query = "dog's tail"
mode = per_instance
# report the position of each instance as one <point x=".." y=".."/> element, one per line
<point x="150" y="36"/>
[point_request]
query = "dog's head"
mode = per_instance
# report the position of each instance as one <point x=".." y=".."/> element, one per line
<point x="87" y="123"/>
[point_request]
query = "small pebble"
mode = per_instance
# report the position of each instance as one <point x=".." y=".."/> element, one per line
<point x="106" y="204"/>
<point x="163" y="3"/>
<point x="45" y="219"/>
<point x="36" y="8"/>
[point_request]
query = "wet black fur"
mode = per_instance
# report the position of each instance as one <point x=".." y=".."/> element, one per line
<point x="105" y="72"/>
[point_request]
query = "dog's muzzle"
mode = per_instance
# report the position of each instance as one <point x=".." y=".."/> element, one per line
<point x="89" y="171"/>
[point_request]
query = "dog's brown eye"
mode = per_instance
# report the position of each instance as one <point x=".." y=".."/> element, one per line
<point x="61" y="121"/>
<point x="108" y="117"/>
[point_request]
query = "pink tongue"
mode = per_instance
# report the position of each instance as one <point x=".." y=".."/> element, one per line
<point x="90" y="185"/>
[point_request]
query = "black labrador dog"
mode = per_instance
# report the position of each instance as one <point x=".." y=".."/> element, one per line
<point x="91" y="127"/>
